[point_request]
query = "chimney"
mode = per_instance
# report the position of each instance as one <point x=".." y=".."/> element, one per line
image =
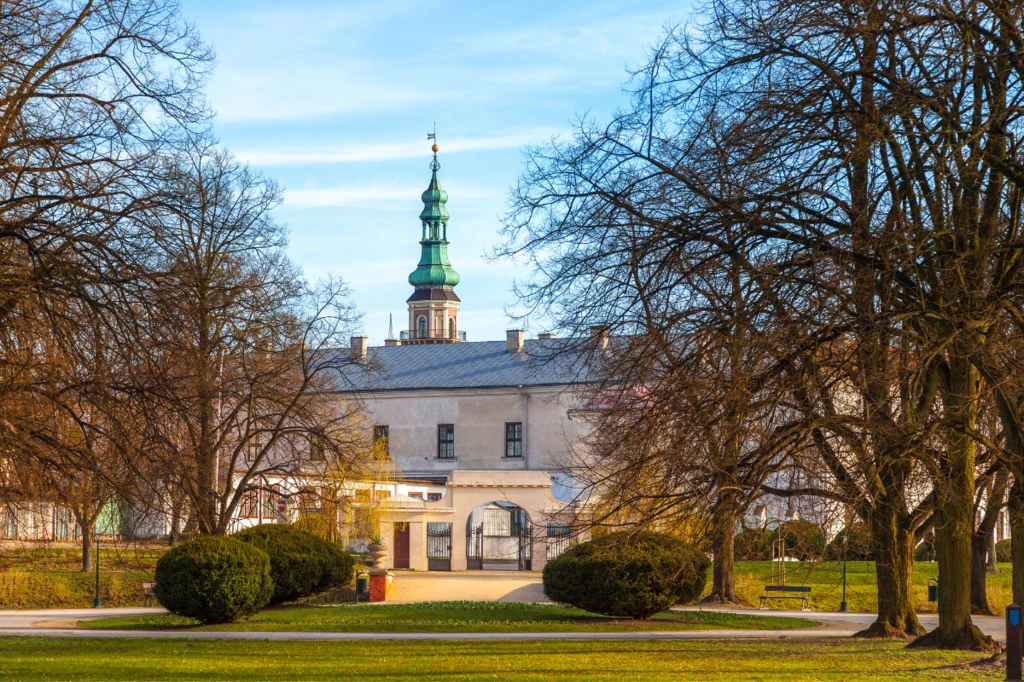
<point x="514" y="340"/>
<point x="599" y="333"/>
<point x="358" y="345"/>
<point x="546" y="335"/>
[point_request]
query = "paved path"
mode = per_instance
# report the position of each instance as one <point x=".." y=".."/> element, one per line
<point x="505" y="586"/>
<point x="40" y="623"/>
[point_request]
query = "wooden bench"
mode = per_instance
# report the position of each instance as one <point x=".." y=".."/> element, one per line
<point x="147" y="592"/>
<point x="787" y="592"/>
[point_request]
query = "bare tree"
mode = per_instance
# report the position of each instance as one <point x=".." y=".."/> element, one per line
<point x="243" y="362"/>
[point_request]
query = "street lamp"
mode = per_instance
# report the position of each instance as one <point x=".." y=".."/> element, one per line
<point x="846" y="536"/>
<point x="96" y="602"/>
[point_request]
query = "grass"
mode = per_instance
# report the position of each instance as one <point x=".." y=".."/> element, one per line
<point x="454" y="617"/>
<point x="826" y="581"/>
<point x="788" y="660"/>
<point x="50" y="576"/>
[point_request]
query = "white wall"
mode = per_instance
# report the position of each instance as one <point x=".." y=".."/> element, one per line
<point x="479" y="416"/>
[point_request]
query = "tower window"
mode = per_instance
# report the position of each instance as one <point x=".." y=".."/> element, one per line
<point x="422" y="323"/>
<point x="451" y="327"/>
<point x="513" y="439"/>
<point x="446" y="441"/>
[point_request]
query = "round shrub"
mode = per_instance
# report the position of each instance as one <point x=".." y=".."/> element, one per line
<point x="214" y="579"/>
<point x="1003" y="551"/>
<point x="804" y="540"/>
<point x="751" y="544"/>
<point x="859" y="545"/>
<point x="301" y="563"/>
<point x="634" y="575"/>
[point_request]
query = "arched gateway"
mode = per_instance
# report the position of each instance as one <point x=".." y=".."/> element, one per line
<point x="499" y="537"/>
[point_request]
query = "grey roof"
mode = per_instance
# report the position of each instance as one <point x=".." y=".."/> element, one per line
<point x="479" y="364"/>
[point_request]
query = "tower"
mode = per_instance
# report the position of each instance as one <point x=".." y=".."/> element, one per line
<point x="434" y="305"/>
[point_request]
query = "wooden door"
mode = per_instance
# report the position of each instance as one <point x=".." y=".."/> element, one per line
<point x="401" y="545"/>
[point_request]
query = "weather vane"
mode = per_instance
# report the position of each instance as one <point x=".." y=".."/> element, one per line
<point x="434" y="165"/>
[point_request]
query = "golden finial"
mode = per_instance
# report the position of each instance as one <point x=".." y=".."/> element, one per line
<point x="435" y="148"/>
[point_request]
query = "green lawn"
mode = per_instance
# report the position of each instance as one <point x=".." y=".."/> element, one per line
<point x="49" y="576"/>
<point x="826" y="580"/>
<point x="454" y="617"/>
<point x="31" y="658"/>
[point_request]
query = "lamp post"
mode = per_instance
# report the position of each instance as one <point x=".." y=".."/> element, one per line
<point x="846" y="536"/>
<point x="96" y="602"/>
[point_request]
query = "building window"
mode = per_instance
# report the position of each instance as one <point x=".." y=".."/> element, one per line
<point x="446" y="441"/>
<point x="513" y="439"/>
<point x="316" y="449"/>
<point x="250" y="504"/>
<point x="416" y="496"/>
<point x="253" y="448"/>
<point x="380" y="439"/>
<point x="434" y="497"/>
<point x="270" y="498"/>
<point x="451" y="327"/>
<point x="422" y="324"/>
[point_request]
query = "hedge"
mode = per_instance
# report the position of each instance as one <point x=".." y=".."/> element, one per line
<point x="635" y="575"/>
<point x="301" y="563"/>
<point x="1003" y="551"/>
<point x="859" y="544"/>
<point x="214" y="579"/>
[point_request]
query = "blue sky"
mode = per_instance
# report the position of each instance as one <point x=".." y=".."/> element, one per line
<point x="334" y="100"/>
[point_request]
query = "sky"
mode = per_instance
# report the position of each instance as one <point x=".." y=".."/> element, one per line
<point x="334" y="100"/>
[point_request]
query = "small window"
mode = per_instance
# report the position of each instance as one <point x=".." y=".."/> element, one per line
<point x="446" y="441"/>
<point x="434" y="497"/>
<point x="514" y="439"/>
<point x="416" y="496"/>
<point x="422" y="325"/>
<point x="381" y="439"/>
<point x="270" y="498"/>
<point x="253" y="448"/>
<point x="316" y="449"/>
<point x="249" y="508"/>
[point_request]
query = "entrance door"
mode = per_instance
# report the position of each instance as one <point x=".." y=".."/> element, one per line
<point x="401" y="545"/>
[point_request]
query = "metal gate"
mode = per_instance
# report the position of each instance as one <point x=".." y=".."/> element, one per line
<point x="503" y="541"/>
<point x="439" y="546"/>
<point x="475" y="548"/>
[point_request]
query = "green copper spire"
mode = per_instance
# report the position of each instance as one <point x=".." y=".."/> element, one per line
<point x="434" y="270"/>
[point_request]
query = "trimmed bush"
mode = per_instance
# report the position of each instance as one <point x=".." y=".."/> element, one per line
<point x="751" y="544"/>
<point x="301" y="563"/>
<point x="804" y="540"/>
<point x="1003" y="551"/>
<point x="635" y="575"/>
<point x="859" y="546"/>
<point x="214" y="579"/>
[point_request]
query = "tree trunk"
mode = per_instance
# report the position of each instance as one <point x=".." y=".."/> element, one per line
<point x="172" y="536"/>
<point x="980" y="542"/>
<point x="87" y="548"/>
<point x="1015" y="506"/>
<point x="954" y="525"/>
<point x="894" y="568"/>
<point x="723" y="590"/>
<point x="983" y="542"/>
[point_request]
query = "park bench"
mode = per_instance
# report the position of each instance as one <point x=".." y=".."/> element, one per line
<point x="787" y="592"/>
<point x="147" y="593"/>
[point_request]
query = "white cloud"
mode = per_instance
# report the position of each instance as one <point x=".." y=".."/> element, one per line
<point x="388" y="151"/>
<point x="370" y="196"/>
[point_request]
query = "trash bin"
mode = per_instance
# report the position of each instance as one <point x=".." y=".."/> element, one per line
<point x="933" y="589"/>
<point x="363" y="584"/>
